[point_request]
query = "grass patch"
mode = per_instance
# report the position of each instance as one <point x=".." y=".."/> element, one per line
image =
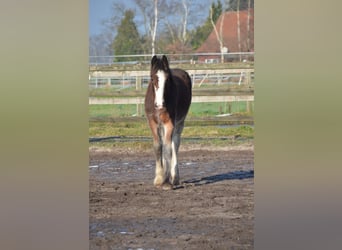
<point x="117" y="90"/>
<point x="109" y="111"/>
<point x="201" y="123"/>
<point x="216" y="131"/>
<point x="138" y="146"/>
<point x="216" y="135"/>
<point x="216" y="108"/>
<point x="103" y="129"/>
<point x="140" y="128"/>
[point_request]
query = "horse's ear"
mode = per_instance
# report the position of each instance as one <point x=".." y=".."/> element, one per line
<point x="154" y="59"/>
<point x="165" y="62"/>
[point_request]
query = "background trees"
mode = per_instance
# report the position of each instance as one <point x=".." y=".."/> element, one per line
<point x="127" y="40"/>
<point x="234" y="5"/>
<point x="202" y="32"/>
<point x="161" y="26"/>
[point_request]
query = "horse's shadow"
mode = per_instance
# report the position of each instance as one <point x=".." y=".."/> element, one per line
<point x="235" y="175"/>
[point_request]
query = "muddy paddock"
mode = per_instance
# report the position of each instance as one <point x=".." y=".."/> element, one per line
<point x="212" y="208"/>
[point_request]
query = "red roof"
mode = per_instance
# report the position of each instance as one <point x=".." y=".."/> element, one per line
<point x="230" y="35"/>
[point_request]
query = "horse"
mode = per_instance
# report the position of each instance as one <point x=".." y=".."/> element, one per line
<point x="167" y="102"/>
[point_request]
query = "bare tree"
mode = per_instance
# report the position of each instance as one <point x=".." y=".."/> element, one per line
<point x="100" y="48"/>
<point x="176" y="17"/>
<point x="110" y="27"/>
<point x="111" y="24"/>
<point x="177" y="27"/>
<point x="150" y="15"/>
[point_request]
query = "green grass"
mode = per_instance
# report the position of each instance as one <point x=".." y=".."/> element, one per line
<point x="201" y="122"/>
<point x="216" y="108"/>
<point x="216" y="135"/>
<point x="111" y="111"/>
<point x="140" y="128"/>
<point x="108" y="111"/>
<point x="116" y="90"/>
<point x="103" y="129"/>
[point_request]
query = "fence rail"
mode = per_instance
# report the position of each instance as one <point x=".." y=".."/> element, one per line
<point x="175" y="58"/>
<point x="134" y="75"/>
<point x="195" y="99"/>
<point x="140" y="78"/>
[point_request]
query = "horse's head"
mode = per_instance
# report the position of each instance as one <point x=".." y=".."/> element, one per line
<point x="160" y="72"/>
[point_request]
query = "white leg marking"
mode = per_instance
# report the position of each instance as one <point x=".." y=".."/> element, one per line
<point x="159" y="173"/>
<point x="159" y="98"/>
<point x="173" y="159"/>
<point x="174" y="166"/>
<point x="166" y="164"/>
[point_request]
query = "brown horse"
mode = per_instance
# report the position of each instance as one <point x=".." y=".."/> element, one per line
<point x="167" y="101"/>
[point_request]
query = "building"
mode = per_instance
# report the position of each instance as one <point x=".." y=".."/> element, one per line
<point x="229" y="22"/>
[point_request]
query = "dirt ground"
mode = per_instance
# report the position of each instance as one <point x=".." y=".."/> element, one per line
<point x="212" y="208"/>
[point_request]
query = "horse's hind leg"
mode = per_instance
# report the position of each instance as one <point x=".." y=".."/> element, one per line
<point x="176" y="137"/>
<point x="174" y="166"/>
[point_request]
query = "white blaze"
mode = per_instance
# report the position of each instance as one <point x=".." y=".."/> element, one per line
<point x="159" y="98"/>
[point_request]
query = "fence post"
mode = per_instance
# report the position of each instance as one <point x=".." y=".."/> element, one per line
<point x="249" y="108"/>
<point x="248" y="78"/>
<point x="138" y="83"/>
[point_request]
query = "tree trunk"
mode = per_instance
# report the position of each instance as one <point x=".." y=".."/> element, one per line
<point x="238" y="27"/>
<point x="248" y="28"/>
<point x="185" y="21"/>
<point x="221" y="34"/>
<point x="218" y="36"/>
<point x="155" y="23"/>
<point x="172" y="33"/>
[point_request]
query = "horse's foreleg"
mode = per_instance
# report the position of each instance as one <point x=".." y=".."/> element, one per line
<point x="157" y="147"/>
<point x="167" y="153"/>
<point x="159" y="171"/>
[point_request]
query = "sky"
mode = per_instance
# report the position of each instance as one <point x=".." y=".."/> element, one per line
<point x="98" y="10"/>
<point x="101" y="9"/>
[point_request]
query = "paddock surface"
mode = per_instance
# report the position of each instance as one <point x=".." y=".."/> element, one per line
<point x="212" y="208"/>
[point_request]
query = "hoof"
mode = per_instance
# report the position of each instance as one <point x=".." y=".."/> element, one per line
<point x="158" y="181"/>
<point x="175" y="182"/>
<point x="165" y="186"/>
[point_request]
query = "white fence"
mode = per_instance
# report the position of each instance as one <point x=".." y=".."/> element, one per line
<point x="174" y="58"/>
<point x="140" y="79"/>
<point x="195" y="99"/>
